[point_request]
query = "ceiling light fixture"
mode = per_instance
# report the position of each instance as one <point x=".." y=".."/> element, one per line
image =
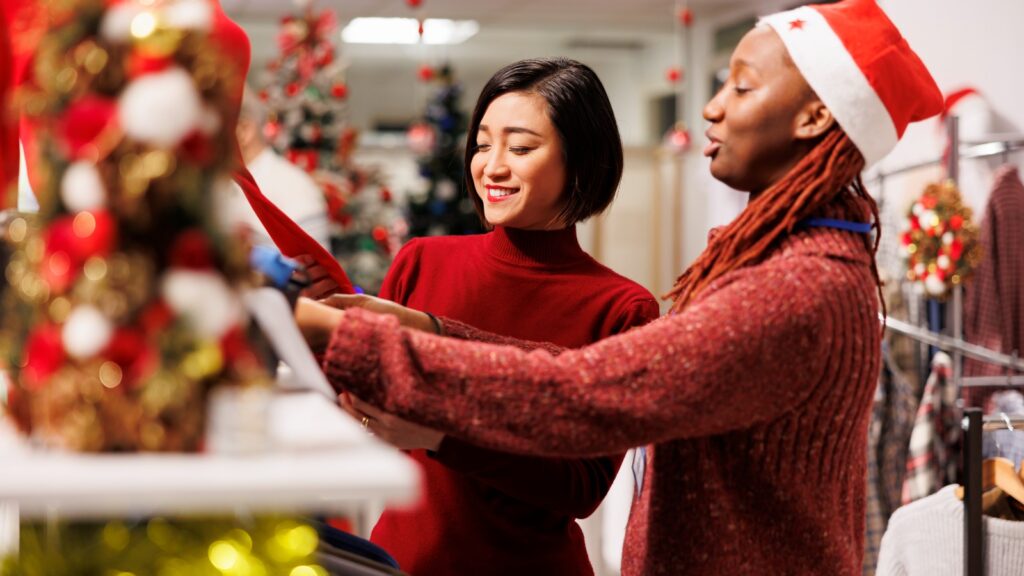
<point x="406" y="31"/>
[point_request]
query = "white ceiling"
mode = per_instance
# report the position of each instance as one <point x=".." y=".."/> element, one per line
<point x="652" y="15"/>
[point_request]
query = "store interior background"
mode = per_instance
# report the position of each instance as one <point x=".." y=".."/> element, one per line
<point x="667" y="202"/>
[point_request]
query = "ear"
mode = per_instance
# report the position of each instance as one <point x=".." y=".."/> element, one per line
<point x="813" y="120"/>
<point x="245" y="131"/>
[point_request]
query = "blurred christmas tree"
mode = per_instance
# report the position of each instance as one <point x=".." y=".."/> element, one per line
<point x="440" y="206"/>
<point x="121" y="313"/>
<point x="305" y="92"/>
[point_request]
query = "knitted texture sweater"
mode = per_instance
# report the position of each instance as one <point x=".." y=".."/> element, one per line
<point x="755" y="400"/>
<point x="926" y="538"/>
<point x="489" y="512"/>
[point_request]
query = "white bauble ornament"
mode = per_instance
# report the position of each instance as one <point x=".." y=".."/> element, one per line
<point x="116" y="26"/>
<point x="82" y="188"/>
<point x="160" y="108"/>
<point x="947" y="238"/>
<point x="943" y="262"/>
<point x="204" y="299"/>
<point x="919" y="269"/>
<point x="86" y="332"/>
<point x="934" y="286"/>
<point x="446" y="190"/>
<point x="189" y="15"/>
<point x="917" y="209"/>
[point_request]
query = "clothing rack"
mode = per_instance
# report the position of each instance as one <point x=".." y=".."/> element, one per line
<point x="974" y="424"/>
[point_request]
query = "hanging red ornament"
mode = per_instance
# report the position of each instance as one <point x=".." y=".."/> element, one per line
<point x="83" y="123"/>
<point x="44" y="354"/>
<point x="271" y="130"/>
<point x="339" y="91"/>
<point x="191" y="250"/>
<point x="380" y="234"/>
<point x="420" y="29"/>
<point x="385" y="195"/>
<point x="678" y="138"/>
<point x="426" y="73"/>
<point x="140" y="63"/>
<point x="198" y="148"/>
<point x="292" y="89"/>
<point x="674" y="74"/>
<point x="685" y="17"/>
<point x="414" y="3"/>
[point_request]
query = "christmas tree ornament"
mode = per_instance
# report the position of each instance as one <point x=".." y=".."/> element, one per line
<point x="160" y="109"/>
<point x="82" y="188"/>
<point x="938" y="241"/>
<point x="677" y="139"/>
<point x="414" y="3"/>
<point x="425" y="73"/>
<point x="685" y="16"/>
<point x="674" y="74"/>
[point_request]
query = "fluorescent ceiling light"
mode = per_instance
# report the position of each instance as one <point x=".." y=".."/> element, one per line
<point x="406" y="31"/>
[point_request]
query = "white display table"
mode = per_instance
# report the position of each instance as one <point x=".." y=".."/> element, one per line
<point x="320" y="461"/>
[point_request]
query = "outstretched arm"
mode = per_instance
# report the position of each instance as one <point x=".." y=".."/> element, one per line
<point x="747" y="349"/>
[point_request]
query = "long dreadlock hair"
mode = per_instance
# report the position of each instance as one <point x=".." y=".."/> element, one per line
<point x="828" y="175"/>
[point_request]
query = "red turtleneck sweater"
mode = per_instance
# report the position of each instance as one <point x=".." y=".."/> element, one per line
<point x="488" y="512"/>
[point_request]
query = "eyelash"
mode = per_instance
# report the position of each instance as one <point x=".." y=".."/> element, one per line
<point x="740" y="90"/>
<point x="518" y="150"/>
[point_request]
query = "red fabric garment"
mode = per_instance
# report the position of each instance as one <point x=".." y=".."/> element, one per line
<point x="994" y="303"/>
<point x="8" y="128"/>
<point x="30" y="20"/>
<point x="489" y="512"/>
<point x="756" y="398"/>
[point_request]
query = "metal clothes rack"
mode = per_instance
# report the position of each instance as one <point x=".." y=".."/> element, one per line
<point x="973" y="422"/>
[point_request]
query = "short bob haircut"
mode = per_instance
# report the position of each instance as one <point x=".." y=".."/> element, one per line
<point x="579" y="109"/>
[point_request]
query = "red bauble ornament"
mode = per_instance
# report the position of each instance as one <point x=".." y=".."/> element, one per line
<point x="419" y="29"/>
<point x="956" y="222"/>
<point x="264" y="96"/>
<point x="271" y="130"/>
<point x="197" y="148"/>
<point x="156" y="317"/>
<point x="83" y="123"/>
<point x="236" y="350"/>
<point x="339" y="91"/>
<point x="674" y="74"/>
<point x="414" y="3"/>
<point x="140" y="63"/>
<point x="305" y="159"/>
<point x="380" y="234"/>
<point x="192" y="250"/>
<point x="678" y="139"/>
<point x="292" y="89"/>
<point x="129" y="350"/>
<point x="425" y="73"/>
<point x="685" y="17"/>
<point x="44" y="354"/>
<point x="385" y="195"/>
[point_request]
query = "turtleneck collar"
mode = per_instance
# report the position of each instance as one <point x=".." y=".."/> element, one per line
<point x="535" y="247"/>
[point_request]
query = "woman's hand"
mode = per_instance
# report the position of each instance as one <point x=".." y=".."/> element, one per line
<point x="317" y="322"/>
<point x="320" y="282"/>
<point x="391" y="429"/>
<point x="406" y="316"/>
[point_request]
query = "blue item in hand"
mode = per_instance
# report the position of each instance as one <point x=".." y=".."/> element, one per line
<point x="273" y="264"/>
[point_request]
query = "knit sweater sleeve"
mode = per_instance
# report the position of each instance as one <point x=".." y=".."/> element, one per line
<point x="748" y="351"/>
<point x="574" y="486"/>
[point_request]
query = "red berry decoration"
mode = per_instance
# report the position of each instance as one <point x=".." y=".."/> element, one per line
<point x="674" y="74"/>
<point x="339" y="91"/>
<point x="380" y="234"/>
<point x="685" y="17"/>
<point x="426" y="73"/>
<point x="291" y="89"/>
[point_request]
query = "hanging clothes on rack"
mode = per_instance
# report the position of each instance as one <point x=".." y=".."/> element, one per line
<point x="994" y="306"/>
<point x="931" y="459"/>
<point x="925" y="538"/>
<point x="892" y="422"/>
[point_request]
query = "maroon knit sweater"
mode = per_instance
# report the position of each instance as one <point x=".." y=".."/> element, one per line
<point x="489" y="512"/>
<point x="756" y="399"/>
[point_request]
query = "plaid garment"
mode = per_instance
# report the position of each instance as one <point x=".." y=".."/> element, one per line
<point x="994" y="303"/>
<point x="892" y="422"/>
<point x="932" y="456"/>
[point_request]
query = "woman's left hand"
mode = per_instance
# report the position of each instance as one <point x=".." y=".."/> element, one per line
<point x="389" y="428"/>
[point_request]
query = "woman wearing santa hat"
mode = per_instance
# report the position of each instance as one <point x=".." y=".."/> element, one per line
<point x="753" y="396"/>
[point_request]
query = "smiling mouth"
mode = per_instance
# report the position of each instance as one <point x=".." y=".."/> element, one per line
<point x="499" y="194"/>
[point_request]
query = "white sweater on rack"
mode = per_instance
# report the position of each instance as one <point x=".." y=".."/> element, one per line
<point x="926" y="538"/>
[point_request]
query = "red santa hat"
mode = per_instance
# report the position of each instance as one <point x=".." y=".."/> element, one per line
<point x="862" y="68"/>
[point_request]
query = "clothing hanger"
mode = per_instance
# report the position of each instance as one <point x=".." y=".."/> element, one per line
<point x="999" y="474"/>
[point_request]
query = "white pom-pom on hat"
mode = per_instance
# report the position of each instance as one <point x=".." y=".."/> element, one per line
<point x="161" y="108"/>
<point x="86" y="332"/>
<point x="204" y="299"/>
<point x="82" y="188"/>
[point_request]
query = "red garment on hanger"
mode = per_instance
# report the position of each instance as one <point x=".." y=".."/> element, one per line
<point x="28" y="22"/>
